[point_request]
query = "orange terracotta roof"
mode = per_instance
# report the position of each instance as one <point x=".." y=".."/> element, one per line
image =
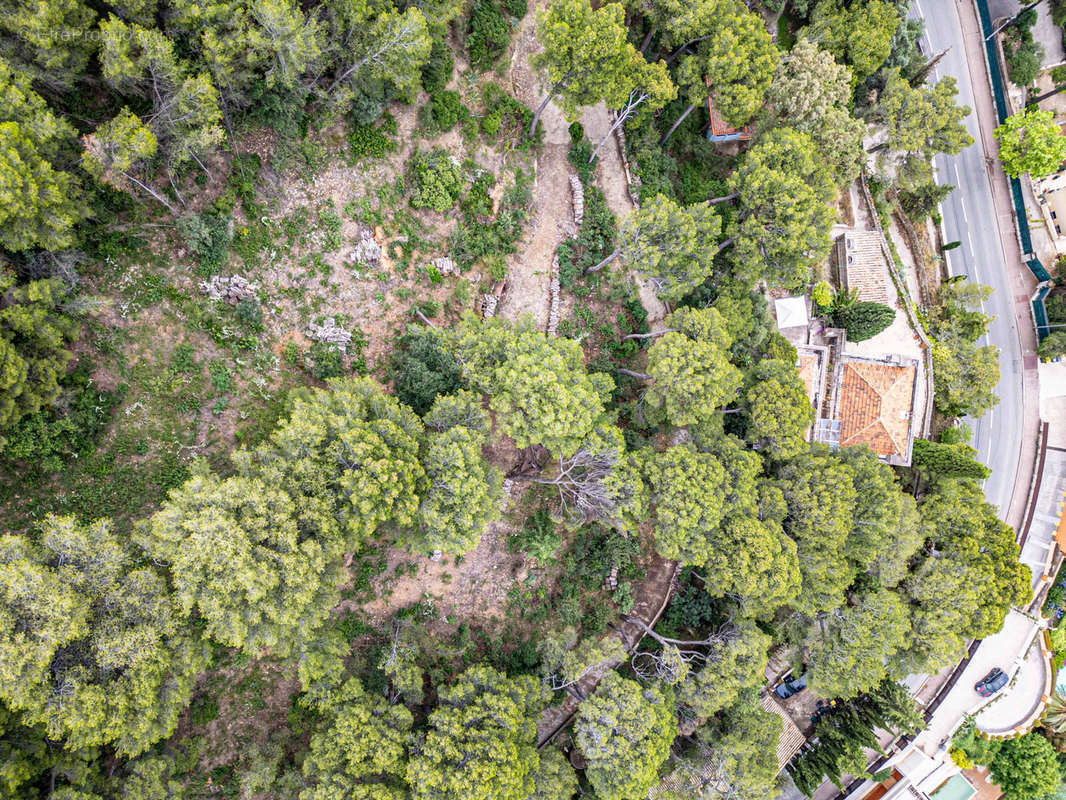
<point x="862" y="264"/>
<point x="808" y="370"/>
<point x="719" y="127"/>
<point x="875" y="405"/>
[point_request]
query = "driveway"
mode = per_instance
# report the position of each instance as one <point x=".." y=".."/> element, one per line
<point x="1021" y="699"/>
<point x="998" y="650"/>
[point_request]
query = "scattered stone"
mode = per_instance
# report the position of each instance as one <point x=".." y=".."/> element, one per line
<point x="229" y="289"/>
<point x="437" y="555"/>
<point x="553" y="298"/>
<point x="367" y="251"/>
<point x="329" y="332"/>
<point x="611" y="582"/>
<point x="445" y="266"/>
<point x="579" y="199"/>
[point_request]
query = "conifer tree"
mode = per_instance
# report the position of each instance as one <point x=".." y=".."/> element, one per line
<point x="92" y="646"/>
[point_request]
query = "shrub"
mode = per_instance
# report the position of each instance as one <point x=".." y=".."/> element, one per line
<point x="325" y="361"/>
<point x="249" y="313"/>
<point x="1056" y="307"/>
<point x="207" y="235"/>
<point x="864" y="319"/>
<point x="822" y="295"/>
<point x="538" y="537"/>
<point x="475" y="239"/>
<point x="438" y="70"/>
<point x="370" y="141"/>
<point x="516" y="8"/>
<point x="592" y="243"/>
<point x="506" y="120"/>
<point x="579" y="154"/>
<point x="422" y="368"/>
<point x="445" y="110"/>
<point x="478" y="202"/>
<point x="435" y="180"/>
<point x="46" y="440"/>
<point x="488" y="35"/>
<point x="1053" y="346"/>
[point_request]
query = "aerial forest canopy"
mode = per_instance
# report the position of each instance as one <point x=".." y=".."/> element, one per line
<point x="286" y="518"/>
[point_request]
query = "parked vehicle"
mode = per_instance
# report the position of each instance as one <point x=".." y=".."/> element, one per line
<point x="991" y="683"/>
<point x="790" y="686"/>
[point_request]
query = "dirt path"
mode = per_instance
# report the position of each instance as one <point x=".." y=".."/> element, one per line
<point x="611" y="178"/>
<point x="648" y="605"/>
<point x="529" y="271"/>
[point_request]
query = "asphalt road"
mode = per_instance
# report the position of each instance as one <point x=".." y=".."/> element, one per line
<point x="969" y="217"/>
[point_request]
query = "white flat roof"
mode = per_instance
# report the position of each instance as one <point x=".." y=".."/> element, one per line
<point x="791" y="312"/>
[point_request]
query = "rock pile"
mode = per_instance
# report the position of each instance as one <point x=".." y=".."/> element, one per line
<point x="445" y="266"/>
<point x="488" y="305"/>
<point x="230" y="289"/>
<point x="553" y="298"/>
<point x="579" y="199"/>
<point x="329" y="332"/>
<point x="367" y="251"/>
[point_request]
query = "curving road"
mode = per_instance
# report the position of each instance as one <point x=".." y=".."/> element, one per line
<point x="970" y="218"/>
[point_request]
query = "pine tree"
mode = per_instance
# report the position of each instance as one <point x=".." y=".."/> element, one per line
<point x="92" y="646"/>
<point x="625" y="733"/>
<point x="34" y="333"/>
<point x="481" y="741"/>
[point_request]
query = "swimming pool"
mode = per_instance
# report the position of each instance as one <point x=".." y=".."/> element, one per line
<point x="954" y="788"/>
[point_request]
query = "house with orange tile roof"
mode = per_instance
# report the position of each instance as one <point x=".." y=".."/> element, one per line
<point x="873" y="404"/>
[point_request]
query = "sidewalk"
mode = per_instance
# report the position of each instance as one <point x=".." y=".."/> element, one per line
<point x="1022" y="282"/>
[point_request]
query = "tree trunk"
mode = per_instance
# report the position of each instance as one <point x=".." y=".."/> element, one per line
<point x="878" y="147"/>
<point x="647" y="40"/>
<point x="726" y="244"/>
<point x="642" y="375"/>
<point x="1046" y="95"/>
<point x="605" y="261"/>
<point x="621" y="118"/>
<point x="682" y="48"/>
<point x="651" y="335"/>
<point x="676" y="125"/>
<point x="921" y="75"/>
<point x="536" y="117"/>
<point x="425" y="319"/>
<point x="731" y="411"/>
<point x="724" y="198"/>
<point x="152" y="192"/>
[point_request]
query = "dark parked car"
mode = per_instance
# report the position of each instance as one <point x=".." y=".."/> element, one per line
<point x="790" y="686"/>
<point x="991" y="683"/>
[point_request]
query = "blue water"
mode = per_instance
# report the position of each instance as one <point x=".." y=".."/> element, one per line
<point x="955" y="788"/>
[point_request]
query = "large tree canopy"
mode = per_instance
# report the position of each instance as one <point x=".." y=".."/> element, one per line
<point x="784" y="190"/>
<point x="690" y="367"/>
<point x="92" y="644"/>
<point x="239" y="555"/>
<point x="735" y="59"/>
<point x="34" y="334"/>
<point x="538" y="386"/>
<point x="625" y="733"/>
<point x="821" y="497"/>
<point x="481" y="741"/>
<point x="348" y="456"/>
<point x="1031" y="141"/>
<point x="971" y="557"/>
<point x="811" y="92"/>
